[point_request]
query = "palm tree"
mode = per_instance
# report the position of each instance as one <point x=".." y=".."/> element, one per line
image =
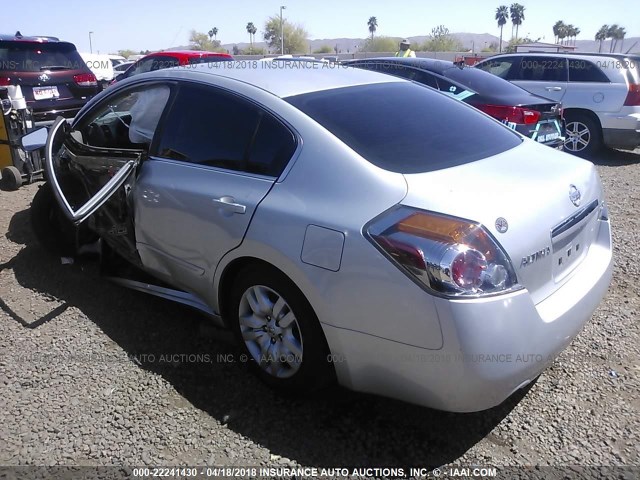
<point x="576" y="32"/>
<point x="621" y="34"/>
<point x="213" y="33"/>
<point x="601" y="36"/>
<point x="557" y="27"/>
<point x="373" y="25"/>
<point x="612" y="33"/>
<point x="563" y="32"/>
<point x="517" y="16"/>
<point x="502" y="15"/>
<point x="251" y="30"/>
<point x="570" y="30"/>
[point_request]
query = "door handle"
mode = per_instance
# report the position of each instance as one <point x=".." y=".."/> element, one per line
<point x="553" y="89"/>
<point x="229" y="204"/>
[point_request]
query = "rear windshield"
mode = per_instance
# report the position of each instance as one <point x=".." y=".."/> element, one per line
<point x="482" y="82"/>
<point x="35" y="57"/>
<point x="406" y="128"/>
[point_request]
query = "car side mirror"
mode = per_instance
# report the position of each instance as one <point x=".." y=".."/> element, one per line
<point x="35" y="140"/>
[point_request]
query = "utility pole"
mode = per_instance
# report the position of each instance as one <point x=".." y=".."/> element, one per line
<point x="282" y="7"/>
<point x="90" y="46"/>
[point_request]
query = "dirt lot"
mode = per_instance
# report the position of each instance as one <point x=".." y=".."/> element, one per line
<point x="93" y="374"/>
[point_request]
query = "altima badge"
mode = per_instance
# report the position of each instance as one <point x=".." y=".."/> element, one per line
<point x="534" y="257"/>
<point x="502" y="225"/>
<point x="574" y="195"/>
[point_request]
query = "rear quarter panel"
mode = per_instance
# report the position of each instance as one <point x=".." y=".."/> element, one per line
<point x="330" y="186"/>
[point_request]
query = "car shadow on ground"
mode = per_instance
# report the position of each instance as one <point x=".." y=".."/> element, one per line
<point x="616" y="158"/>
<point x="335" y="428"/>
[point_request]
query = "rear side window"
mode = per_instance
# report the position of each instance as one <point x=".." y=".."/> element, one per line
<point x="540" y="69"/>
<point x="199" y="60"/>
<point x="406" y="128"/>
<point x="35" y="57"/>
<point x="209" y="127"/>
<point x="585" y="71"/>
<point x="500" y="67"/>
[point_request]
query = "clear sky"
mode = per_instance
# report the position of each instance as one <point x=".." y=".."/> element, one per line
<point x="154" y="25"/>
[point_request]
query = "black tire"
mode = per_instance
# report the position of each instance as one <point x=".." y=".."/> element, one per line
<point x="11" y="178"/>
<point x="314" y="370"/>
<point x="57" y="234"/>
<point x="583" y="134"/>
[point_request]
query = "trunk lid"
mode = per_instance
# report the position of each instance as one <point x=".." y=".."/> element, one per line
<point x="534" y="189"/>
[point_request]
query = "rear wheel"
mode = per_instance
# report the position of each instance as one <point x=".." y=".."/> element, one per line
<point x="584" y="136"/>
<point x="11" y="178"/>
<point x="278" y="331"/>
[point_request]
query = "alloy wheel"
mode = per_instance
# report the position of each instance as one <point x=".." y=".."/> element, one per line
<point x="578" y="136"/>
<point x="270" y="331"/>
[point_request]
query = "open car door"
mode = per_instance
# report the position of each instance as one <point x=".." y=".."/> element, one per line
<point x="101" y="172"/>
<point x="91" y="166"/>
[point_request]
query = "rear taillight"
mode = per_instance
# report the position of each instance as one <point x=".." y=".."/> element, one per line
<point x="86" y="80"/>
<point x="504" y="113"/>
<point x="633" y="97"/>
<point x="5" y="81"/>
<point x="447" y="255"/>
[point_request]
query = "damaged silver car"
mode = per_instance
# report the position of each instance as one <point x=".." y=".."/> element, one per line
<point x="345" y="224"/>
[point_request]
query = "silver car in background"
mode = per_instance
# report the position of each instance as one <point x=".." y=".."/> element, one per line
<point x="344" y="224"/>
<point x="600" y="93"/>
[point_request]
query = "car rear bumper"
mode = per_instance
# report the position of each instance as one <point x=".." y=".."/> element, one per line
<point x="624" y="139"/>
<point x="492" y="347"/>
<point x="621" y="130"/>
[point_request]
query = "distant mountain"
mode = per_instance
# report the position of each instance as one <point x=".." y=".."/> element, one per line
<point x="632" y="44"/>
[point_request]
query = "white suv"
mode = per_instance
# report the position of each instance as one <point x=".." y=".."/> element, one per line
<point x="600" y="93"/>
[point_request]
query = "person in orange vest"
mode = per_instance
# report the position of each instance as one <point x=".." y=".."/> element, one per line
<point x="405" y="51"/>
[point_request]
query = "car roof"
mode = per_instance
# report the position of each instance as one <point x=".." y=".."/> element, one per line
<point x="284" y="79"/>
<point x="34" y="39"/>
<point x="564" y="54"/>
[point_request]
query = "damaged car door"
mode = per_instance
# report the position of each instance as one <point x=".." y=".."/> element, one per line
<point x="92" y="164"/>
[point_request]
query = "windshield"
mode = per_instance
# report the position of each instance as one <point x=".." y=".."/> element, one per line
<point x="35" y="57"/>
<point x="406" y="128"/>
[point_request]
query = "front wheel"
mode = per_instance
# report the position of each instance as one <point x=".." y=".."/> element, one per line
<point x="583" y="134"/>
<point x="52" y="229"/>
<point x="279" y="332"/>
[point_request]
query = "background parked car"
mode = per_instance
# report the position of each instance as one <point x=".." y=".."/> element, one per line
<point x="54" y="78"/>
<point x="534" y="116"/>
<point x="116" y="59"/>
<point x="600" y="93"/>
<point x="122" y="67"/>
<point x="101" y="66"/>
<point x="159" y="60"/>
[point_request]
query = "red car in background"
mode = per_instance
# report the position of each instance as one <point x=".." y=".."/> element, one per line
<point x="174" y="58"/>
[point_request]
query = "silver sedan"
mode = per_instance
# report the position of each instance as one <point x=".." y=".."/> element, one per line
<point x="345" y="224"/>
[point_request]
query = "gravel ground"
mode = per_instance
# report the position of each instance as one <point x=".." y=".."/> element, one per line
<point x="94" y="374"/>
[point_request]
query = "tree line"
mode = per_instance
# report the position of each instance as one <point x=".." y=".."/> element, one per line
<point x="295" y="36"/>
